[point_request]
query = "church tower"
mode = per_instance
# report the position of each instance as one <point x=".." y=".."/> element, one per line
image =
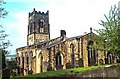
<point x="38" y="27"/>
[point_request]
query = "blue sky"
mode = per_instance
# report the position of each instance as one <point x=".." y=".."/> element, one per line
<point x="74" y="16"/>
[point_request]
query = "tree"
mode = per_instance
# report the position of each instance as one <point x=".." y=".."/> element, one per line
<point x="12" y="65"/>
<point x="4" y="44"/>
<point x="3" y="60"/>
<point x="108" y="38"/>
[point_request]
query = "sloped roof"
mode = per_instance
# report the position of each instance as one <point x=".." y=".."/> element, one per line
<point x="61" y="41"/>
<point x="72" y="38"/>
<point x="54" y="43"/>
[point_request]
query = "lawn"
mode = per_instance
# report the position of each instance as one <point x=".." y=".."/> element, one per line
<point x="62" y="72"/>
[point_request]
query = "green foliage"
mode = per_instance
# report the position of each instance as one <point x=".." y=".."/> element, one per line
<point x="3" y="59"/>
<point x="11" y="64"/>
<point x="109" y="37"/>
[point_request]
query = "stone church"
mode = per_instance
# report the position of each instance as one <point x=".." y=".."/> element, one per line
<point x="42" y="54"/>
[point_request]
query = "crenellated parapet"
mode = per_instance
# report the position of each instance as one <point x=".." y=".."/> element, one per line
<point x="38" y="12"/>
<point x="38" y="27"/>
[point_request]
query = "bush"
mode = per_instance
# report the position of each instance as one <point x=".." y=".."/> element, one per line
<point x="5" y="73"/>
<point x="13" y="73"/>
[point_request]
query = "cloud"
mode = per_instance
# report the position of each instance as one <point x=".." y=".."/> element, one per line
<point x="77" y="16"/>
<point x="21" y="25"/>
<point x="74" y="16"/>
<point x="17" y="29"/>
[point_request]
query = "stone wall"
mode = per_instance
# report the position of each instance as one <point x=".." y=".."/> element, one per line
<point x="113" y="71"/>
<point x="108" y="71"/>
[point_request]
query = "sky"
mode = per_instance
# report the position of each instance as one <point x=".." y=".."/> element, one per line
<point x="74" y="16"/>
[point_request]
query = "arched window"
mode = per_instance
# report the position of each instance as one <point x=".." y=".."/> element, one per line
<point x="89" y="47"/>
<point x="22" y="59"/>
<point x="38" y="28"/>
<point x="72" y="55"/>
<point x="109" y="55"/>
<point x="92" y="54"/>
<point x="27" y="59"/>
<point x="41" y="23"/>
<point x="30" y="60"/>
<point x="19" y="60"/>
<point x="58" y="59"/>
<point x="30" y="28"/>
<point x="41" y="26"/>
<point x="41" y="61"/>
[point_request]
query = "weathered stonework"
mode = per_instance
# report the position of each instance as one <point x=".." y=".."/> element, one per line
<point x="43" y="54"/>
